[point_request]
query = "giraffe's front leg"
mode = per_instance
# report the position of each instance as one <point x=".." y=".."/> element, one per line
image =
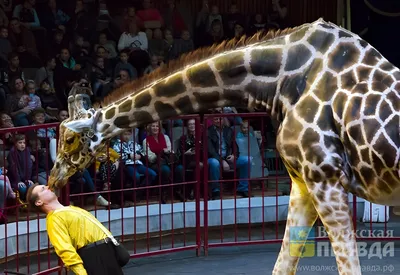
<point x="332" y="204"/>
<point x="301" y="213"/>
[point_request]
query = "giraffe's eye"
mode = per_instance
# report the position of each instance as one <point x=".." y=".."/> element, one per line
<point x="70" y="140"/>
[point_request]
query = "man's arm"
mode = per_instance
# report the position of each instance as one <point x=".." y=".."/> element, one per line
<point x="60" y="239"/>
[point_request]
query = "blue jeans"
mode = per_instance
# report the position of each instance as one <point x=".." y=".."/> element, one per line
<point x="22" y="190"/>
<point x="21" y="119"/>
<point x="242" y="164"/>
<point x="178" y="173"/>
<point x="138" y="169"/>
<point x="164" y="172"/>
<point x="87" y="178"/>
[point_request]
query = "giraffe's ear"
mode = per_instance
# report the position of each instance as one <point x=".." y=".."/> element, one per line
<point x="80" y="125"/>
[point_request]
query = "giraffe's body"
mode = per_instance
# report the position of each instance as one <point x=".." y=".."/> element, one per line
<point x="338" y="101"/>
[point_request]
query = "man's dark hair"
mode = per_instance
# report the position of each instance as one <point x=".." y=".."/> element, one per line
<point x="32" y="198"/>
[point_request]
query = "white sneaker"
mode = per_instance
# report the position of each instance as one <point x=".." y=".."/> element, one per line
<point x="102" y="201"/>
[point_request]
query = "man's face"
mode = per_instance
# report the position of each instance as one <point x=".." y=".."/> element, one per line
<point x="101" y="52"/>
<point x="44" y="195"/>
<point x="15" y="62"/>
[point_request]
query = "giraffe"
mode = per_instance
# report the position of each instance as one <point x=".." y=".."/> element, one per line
<point x="335" y="95"/>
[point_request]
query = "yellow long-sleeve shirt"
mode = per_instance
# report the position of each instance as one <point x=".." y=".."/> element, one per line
<point x="70" y="229"/>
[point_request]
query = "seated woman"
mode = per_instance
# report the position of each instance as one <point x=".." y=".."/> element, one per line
<point x="132" y="156"/>
<point x="157" y="147"/>
<point x="111" y="170"/>
<point x="186" y="153"/>
<point x="17" y="113"/>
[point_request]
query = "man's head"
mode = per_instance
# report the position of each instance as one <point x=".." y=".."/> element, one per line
<point x="13" y="60"/>
<point x="39" y="196"/>
<point x="15" y="25"/>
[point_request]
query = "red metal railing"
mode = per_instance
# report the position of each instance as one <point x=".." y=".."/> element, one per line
<point x="149" y="227"/>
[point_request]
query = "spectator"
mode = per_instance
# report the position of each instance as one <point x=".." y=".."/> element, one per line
<point x="30" y="100"/>
<point x="46" y="72"/>
<point x="6" y="139"/>
<point x="150" y="16"/>
<point x="216" y="33"/>
<point x="80" y="49"/>
<point x="20" y="162"/>
<point x="214" y="15"/>
<point x="54" y="18"/>
<point x="111" y="171"/>
<point x="62" y="115"/>
<point x="48" y="98"/>
<point x="201" y="24"/>
<point x="277" y="13"/>
<point x="154" y="64"/>
<point x="157" y="147"/>
<point x="65" y="73"/>
<point x="133" y="39"/>
<point x="39" y="118"/>
<point x="122" y="78"/>
<point x="107" y="44"/>
<point x="187" y="152"/>
<point x="239" y="30"/>
<point x="59" y="42"/>
<point x="19" y="115"/>
<point x="173" y="19"/>
<point x="27" y="14"/>
<point x="232" y="18"/>
<point x="123" y="64"/>
<point x="5" y="46"/>
<point x="13" y="70"/>
<point x="3" y="17"/>
<point x="6" y="192"/>
<point x="131" y="17"/>
<point x="156" y="44"/>
<point x="223" y="151"/>
<point x="182" y="45"/>
<point x="24" y="43"/>
<point x="99" y="76"/>
<point x="132" y="156"/>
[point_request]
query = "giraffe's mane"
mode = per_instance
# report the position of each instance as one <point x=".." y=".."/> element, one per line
<point x="191" y="58"/>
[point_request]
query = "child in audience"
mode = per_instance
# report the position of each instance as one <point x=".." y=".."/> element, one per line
<point x="132" y="155"/>
<point x="39" y="117"/>
<point x="123" y="64"/>
<point x="20" y="162"/>
<point x="30" y="99"/>
<point x="182" y="45"/>
<point x="42" y="164"/>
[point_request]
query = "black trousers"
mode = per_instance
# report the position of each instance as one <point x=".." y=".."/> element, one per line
<point x="100" y="260"/>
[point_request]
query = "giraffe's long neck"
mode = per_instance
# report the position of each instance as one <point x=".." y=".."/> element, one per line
<point x="272" y="74"/>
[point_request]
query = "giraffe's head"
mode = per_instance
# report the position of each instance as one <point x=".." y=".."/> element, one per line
<point x="78" y="142"/>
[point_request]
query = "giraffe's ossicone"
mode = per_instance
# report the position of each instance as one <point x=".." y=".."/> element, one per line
<point x="336" y="97"/>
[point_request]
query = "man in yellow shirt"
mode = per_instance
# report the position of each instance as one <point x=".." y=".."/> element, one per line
<point x="79" y="239"/>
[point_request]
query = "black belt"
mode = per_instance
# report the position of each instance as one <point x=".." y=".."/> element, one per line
<point x="100" y="242"/>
